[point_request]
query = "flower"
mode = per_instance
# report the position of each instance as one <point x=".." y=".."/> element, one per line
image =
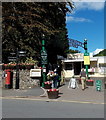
<point x="48" y="82"/>
<point x="53" y="90"/>
<point x="90" y="80"/>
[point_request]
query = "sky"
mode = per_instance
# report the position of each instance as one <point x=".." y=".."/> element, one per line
<point x="87" y="22"/>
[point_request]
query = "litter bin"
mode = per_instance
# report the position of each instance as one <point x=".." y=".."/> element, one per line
<point x="8" y="78"/>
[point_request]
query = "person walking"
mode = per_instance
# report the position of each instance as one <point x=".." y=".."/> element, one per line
<point x="83" y="78"/>
<point x="55" y="79"/>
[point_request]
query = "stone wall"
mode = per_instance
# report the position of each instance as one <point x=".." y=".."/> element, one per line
<point x="25" y="80"/>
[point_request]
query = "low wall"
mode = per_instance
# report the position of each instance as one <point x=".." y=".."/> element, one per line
<point x="25" y="81"/>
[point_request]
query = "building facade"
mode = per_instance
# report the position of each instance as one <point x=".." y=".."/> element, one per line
<point x="74" y="62"/>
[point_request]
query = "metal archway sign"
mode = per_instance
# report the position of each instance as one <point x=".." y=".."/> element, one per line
<point x="75" y="43"/>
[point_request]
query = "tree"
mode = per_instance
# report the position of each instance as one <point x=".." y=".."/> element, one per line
<point x="101" y="53"/>
<point x="24" y="23"/>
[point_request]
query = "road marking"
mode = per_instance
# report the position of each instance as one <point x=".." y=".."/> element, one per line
<point x="51" y="100"/>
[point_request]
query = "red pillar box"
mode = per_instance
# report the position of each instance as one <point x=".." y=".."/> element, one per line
<point x="90" y="82"/>
<point x="8" y="79"/>
<point x="53" y="93"/>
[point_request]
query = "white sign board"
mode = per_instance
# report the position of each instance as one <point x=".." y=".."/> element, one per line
<point x="35" y="73"/>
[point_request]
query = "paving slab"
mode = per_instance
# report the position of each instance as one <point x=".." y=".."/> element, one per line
<point x="37" y="91"/>
<point x="77" y="95"/>
<point x="65" y="94"/>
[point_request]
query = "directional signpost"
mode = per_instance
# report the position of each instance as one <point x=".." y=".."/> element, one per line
<point x="15" y="58"/>
<point x="12" y="59"/>
<point x="18" y="55"/>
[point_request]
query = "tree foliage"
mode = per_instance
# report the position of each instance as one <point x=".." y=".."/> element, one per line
<point x="101" y="53"/>
<point x="24" y="23"/>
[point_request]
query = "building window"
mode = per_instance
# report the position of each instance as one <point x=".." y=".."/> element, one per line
<point x="102" y="65"/>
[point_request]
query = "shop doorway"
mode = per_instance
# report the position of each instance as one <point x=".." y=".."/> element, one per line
<point x="77" y="68"/>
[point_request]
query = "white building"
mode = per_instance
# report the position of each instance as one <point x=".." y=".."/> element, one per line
<point x="74" y="62"/>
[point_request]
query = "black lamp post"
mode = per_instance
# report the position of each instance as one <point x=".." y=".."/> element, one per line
<point x="17" y="70"/>
<point x="18" y="54"/>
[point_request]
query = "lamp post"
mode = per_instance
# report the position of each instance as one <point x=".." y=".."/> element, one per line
<point x="86" y="57"/>
<point x="43" y="61"/>
<point x="17" y="70"/>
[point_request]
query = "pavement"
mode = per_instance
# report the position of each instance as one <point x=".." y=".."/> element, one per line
<point x="89" y="95"/>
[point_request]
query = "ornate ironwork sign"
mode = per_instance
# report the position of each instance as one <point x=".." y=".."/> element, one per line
<point x="75" y="43"/>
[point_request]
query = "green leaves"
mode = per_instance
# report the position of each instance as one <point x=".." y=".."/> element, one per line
<point x="24" y="23"/>
<point x="101" y="53"/>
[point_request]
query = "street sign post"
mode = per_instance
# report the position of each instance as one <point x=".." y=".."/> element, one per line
<point x="86" y="60"/>
<point x="12" y="59"/>
<point x="15" y="58"/>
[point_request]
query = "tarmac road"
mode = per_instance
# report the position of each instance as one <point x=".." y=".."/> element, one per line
<point x="30" y="108"/>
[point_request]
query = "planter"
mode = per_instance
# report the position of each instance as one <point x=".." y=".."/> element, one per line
<point x="53" y="94"/>
<point x="47" y="86"/>
<point x="89" y="82"/>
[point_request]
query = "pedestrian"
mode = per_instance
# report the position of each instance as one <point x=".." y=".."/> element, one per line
<point x="59" y="75"/>
<point x="55" y="79"/>
<point x="72" y="83"/>
<point x="83" y="78"/>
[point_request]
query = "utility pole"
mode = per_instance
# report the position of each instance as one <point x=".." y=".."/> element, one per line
<point x="43" y="61"/>
<point x="86" y="57"/>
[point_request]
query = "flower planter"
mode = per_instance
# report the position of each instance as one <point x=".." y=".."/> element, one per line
<point x="47" y="85"/>
<point x="53" y="93"/>
<point x="89" y="82"/>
